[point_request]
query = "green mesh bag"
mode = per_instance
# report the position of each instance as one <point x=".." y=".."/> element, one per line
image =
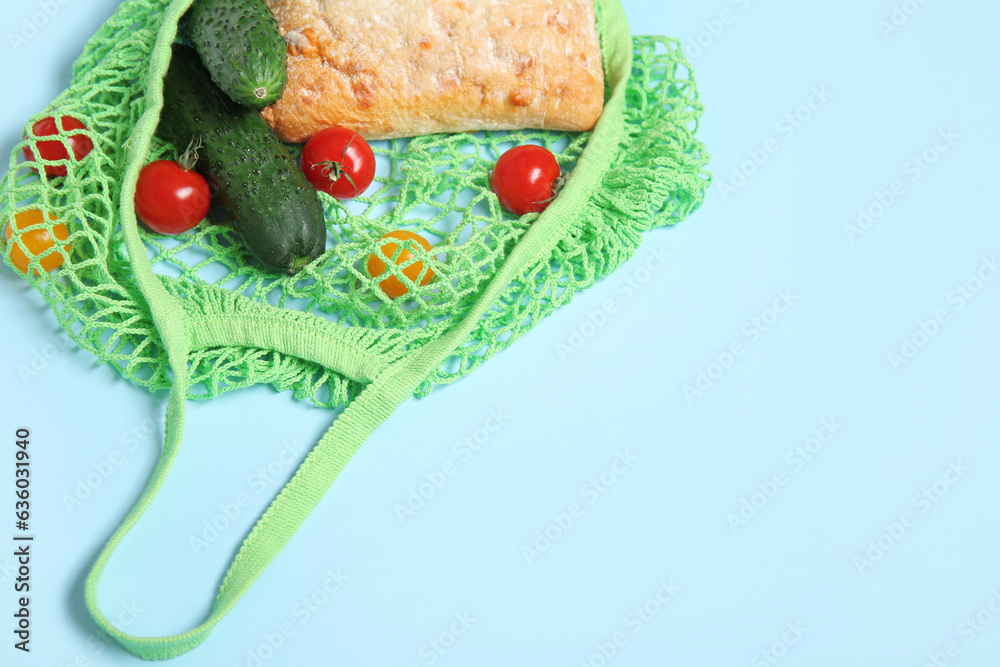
<point x="193" y="313"/>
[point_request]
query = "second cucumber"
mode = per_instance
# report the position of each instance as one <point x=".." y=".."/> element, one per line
<point x="273" y="207"/>
<point x="241" y="46"/>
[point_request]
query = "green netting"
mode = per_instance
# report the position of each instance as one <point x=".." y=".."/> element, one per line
<point x="197" y="315"/>
<point x="436" y="185"/>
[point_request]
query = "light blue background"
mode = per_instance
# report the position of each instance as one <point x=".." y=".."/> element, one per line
<point x="666" y="517"/>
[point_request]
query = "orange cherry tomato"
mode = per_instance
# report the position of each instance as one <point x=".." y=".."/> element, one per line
<point x="35" y="242"/>
<point x="393" y="286"/>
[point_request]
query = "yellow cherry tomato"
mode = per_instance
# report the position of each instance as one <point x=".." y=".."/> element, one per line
<point x="35" y="242"/>
<point x="393" y="286"/>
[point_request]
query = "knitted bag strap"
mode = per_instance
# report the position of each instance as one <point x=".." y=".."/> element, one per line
<point x="387" y="390"/>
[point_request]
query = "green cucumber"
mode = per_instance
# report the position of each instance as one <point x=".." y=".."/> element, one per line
<point x="241" y="46"/>
<point x="273" y="207"/>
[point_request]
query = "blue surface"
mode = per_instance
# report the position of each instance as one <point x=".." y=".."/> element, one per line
<point x="813" y="501"/>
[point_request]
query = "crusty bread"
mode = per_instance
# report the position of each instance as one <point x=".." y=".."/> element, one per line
<point x="398" y="68"/>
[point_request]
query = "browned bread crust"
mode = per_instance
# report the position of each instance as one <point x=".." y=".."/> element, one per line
<point x="396" y="68"/>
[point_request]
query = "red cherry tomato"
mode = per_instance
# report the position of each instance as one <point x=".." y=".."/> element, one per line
<point x="525" y="178"/>
<point x="339" y="162"/>
<point x="169" y="199"/>
<point x="79" y="143"/>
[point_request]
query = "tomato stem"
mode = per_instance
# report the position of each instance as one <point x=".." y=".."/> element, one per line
<point x="189" y="158"/>
<point x="557" y="186"/>
<point x="335" y="170"/>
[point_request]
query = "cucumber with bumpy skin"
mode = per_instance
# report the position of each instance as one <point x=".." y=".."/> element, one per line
<point x="273" y="207"/>
<point x="242" y="48"/>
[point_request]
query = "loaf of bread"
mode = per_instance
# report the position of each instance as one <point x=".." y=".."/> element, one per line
<point x="399" y="68"/>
